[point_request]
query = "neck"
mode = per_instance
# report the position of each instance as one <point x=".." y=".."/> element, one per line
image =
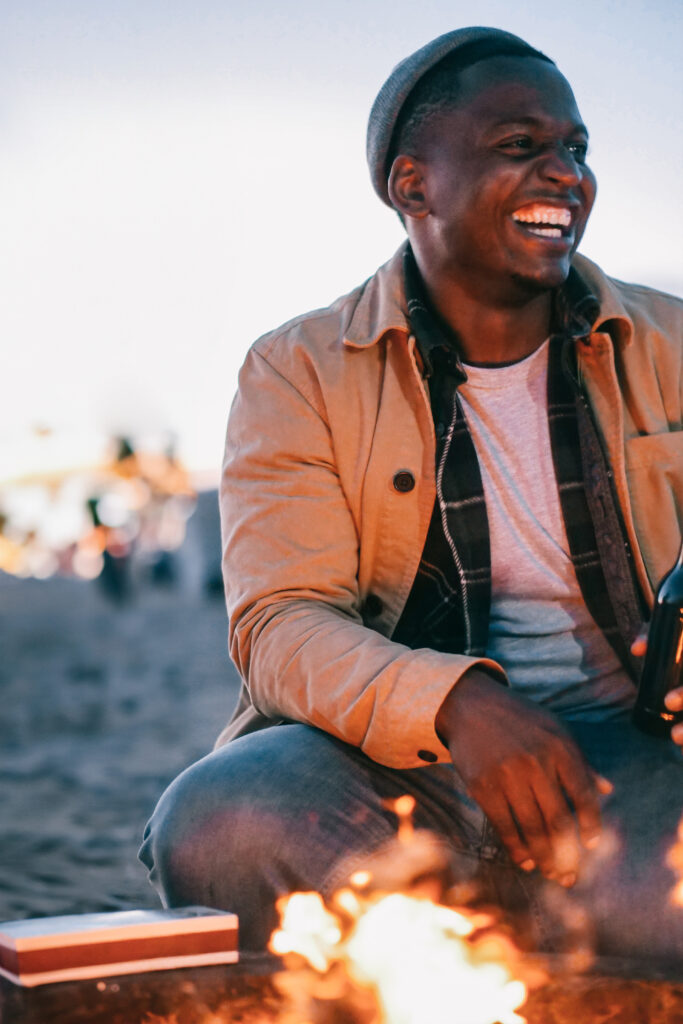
<point x="490" y="328"/>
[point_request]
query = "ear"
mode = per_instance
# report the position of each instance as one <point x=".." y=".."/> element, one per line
<point x="406" y="187"/>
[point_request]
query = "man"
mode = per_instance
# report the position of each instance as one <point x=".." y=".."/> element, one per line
<point x="446" y="501"/>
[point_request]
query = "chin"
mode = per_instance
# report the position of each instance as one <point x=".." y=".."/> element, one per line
<point x="542" y="279"/>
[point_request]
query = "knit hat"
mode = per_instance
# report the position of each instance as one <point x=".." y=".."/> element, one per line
<point x="474" y="44"/>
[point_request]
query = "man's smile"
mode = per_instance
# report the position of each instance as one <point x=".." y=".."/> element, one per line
<point x="545" y="220"/>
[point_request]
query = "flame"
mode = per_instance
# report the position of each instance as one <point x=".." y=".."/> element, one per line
<point x="397" y="957"/>
<point x="307" y="928"/>
<point x="403" y="808"/>
<point x="423" y="962"/>
<point x="412" y="952"/>
<point x="675" y="862"/>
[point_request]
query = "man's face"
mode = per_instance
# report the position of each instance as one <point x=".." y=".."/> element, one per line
<point x="506" y="182"/>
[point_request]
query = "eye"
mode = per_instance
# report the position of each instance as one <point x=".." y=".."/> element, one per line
<point x="517" y="144"/>
<point x="579" y="151"/>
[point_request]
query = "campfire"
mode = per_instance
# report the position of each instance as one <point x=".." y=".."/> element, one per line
<point x="397" y="944"/>
<point x="374" y="956"/>
<point x="395" y="959"/>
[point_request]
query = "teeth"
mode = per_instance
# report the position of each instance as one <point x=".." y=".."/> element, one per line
<point x="538" y="214"/>
<point x="546" y="232"/>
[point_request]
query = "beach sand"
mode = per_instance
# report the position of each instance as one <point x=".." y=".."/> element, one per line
<point x="101" y="706"/>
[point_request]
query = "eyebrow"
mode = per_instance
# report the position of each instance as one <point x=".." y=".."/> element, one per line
<point x="511" y="121"/>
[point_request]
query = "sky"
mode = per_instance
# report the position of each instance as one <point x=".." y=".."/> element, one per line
<point x="179" y="177"/>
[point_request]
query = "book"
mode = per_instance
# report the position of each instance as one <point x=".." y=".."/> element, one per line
<point x="42" y="950"/>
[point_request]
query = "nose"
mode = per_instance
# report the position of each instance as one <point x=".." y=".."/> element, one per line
<point x="559" y="164"/>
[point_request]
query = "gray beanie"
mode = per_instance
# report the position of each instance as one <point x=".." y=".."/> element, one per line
<point x="474" y="43"/>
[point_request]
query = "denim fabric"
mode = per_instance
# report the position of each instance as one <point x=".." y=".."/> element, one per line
<point x="626" y="886"/>
<point x="292" y="808"/>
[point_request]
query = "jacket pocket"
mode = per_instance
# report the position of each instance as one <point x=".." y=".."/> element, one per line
<point x="654" y="468"/>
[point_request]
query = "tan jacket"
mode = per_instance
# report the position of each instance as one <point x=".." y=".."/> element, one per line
<point x="330" y="407"/>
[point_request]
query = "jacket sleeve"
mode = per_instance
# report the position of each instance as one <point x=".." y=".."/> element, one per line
<point x="290" y="563"/>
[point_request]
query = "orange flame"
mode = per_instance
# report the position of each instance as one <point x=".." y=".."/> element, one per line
<point x="423" y="962"/>
<point x="403" y="808"/>
<point x="400" y="957"/>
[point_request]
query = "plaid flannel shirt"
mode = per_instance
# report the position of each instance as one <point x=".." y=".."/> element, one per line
<point x="449" y="604"/>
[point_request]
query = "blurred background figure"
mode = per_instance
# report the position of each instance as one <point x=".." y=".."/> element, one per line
<point x="123" y="516"/>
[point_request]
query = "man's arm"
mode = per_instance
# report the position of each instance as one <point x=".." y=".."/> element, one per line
<point x="291" y="552"/>
<point x="297" y="637"/>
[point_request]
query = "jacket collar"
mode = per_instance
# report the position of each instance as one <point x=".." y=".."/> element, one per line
<point x="381" y="308"/>
<point x="611" y="311"/>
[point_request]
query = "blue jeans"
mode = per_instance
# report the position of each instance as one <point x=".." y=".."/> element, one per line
<point x="291" y="808"/>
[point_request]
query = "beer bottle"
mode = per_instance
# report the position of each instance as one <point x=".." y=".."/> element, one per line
<point x="663" y="666"/>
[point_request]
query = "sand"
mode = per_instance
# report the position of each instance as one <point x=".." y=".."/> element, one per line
<point x="101" y="706"/>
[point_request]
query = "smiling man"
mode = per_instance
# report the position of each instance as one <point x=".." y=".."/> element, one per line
<point x="446" y="501"/>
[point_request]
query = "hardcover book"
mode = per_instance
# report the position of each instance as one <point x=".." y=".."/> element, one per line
<point x="42" y="950"/>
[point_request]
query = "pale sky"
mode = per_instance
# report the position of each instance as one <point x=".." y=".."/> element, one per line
<point x="177" y="178"/>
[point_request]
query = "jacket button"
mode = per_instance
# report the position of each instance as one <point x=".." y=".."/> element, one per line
<point x="404" y="481"/>
<point x="427" y="755"/>
<point x="372" y="606"/>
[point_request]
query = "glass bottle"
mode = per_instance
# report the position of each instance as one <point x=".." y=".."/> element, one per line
<point x="663" y="666"/>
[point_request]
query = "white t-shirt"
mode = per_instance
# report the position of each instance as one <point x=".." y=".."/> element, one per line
<point x="540" y="631"/>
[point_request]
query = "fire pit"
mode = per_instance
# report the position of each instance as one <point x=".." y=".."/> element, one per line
<point x="611" y="993"/>
<point x="393" y="946"/>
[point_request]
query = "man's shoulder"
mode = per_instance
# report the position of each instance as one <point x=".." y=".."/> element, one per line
<point x="314" y="326"/>
<point x="358" y="318"/>
<point x="643" y="306"/>
<point x="647" y="305"/>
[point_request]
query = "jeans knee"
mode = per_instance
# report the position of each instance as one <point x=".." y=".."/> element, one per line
<point x="207" y="837"/>
<point x="172" y="841"/>
<point x="268" y="814"/>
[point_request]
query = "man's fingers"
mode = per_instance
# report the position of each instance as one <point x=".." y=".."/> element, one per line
<point x="639" y="646"/>
<point x="674" y="699"/>
<point x="520" y="822"/>
<point x="526" y="773"/>
<point x="561" y="829"/>
<point x="582" y="787"/>
<point x="497" y="810"/>
<point x="533" y="831"/>
<point x="604" y="785"/>
<point x="674" y="702"/>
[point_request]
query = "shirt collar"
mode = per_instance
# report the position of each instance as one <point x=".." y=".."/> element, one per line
<point x="437" y="343"/>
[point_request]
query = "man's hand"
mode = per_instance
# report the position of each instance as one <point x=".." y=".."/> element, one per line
<point x="673" y="699"/>
<point x="525" y="772"/>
